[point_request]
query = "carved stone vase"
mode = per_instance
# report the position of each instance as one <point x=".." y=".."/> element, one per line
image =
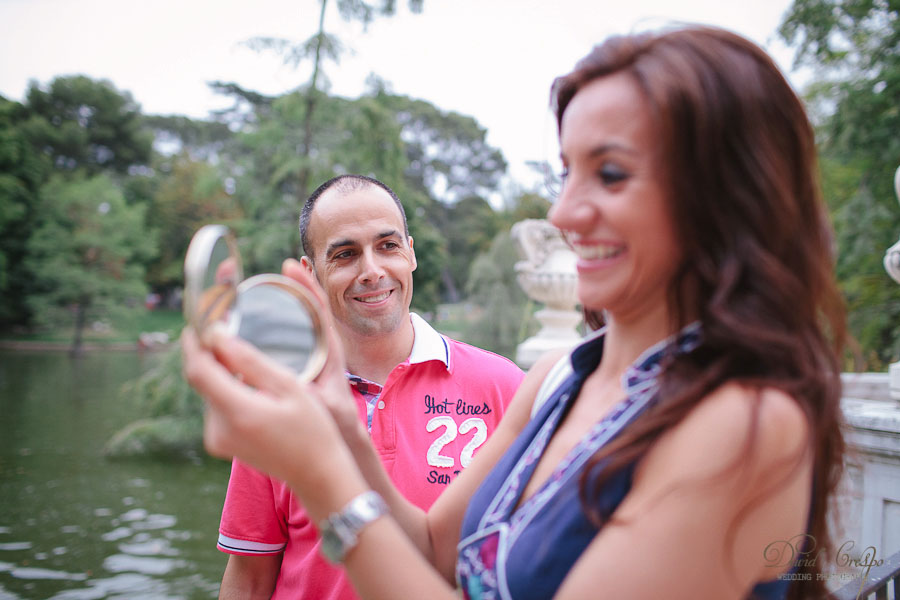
<point x="892" y="266"/>
<point x="547" y="274"/>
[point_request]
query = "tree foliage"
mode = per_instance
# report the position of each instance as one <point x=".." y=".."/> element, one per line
<point x="854" y="48"/>
<point x="187" y="195"/>
<point x="22" y="170"/>
<point x="53" y="149"/>
<point x="85" y="124"/>
<point x="404" y="142"/>
<point x="85" y="253"/>
<point x="503" y="315"/>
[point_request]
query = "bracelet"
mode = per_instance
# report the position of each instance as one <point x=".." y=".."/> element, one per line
<point x="340" y="531"/>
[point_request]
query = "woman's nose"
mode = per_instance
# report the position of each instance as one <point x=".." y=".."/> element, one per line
<point x="572" y="210"/>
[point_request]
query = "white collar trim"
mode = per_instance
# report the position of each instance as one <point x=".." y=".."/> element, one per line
<point x="428" y="344"/>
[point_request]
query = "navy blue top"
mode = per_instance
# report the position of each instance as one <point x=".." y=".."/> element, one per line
<point x="525" y="553"/>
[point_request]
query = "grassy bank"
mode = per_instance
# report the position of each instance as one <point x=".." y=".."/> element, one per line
<point x="122" y="332"/>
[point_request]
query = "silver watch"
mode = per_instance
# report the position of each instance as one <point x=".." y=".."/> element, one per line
<point x="340" y="531"/>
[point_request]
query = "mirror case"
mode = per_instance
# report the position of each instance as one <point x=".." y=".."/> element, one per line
<point x="273" y="312"/>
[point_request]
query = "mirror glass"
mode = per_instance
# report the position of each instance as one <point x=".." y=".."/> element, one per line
<point x="276" y="317"/>
<point x="273" y="312"/>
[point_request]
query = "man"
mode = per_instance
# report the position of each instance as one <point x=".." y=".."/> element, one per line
<point x="428" y="402"/>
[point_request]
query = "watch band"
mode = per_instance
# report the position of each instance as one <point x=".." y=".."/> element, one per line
<point x="340" y="531"/>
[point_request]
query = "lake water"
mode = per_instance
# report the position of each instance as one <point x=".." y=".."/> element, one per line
<point x="74" y="525"/>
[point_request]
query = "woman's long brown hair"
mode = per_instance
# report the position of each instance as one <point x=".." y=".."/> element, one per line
<point x="740" y="166"/>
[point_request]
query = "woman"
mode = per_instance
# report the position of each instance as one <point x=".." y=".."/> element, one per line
<point x="686" y="450"/>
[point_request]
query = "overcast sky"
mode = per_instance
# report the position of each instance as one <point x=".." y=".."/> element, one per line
<point x="492" y="59"/>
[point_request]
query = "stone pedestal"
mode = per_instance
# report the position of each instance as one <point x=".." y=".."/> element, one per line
<point x="868" y="507"/>
<point x="557" y="331"/>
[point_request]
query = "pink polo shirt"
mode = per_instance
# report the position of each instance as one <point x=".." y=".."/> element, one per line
<point x="435" y="410"/>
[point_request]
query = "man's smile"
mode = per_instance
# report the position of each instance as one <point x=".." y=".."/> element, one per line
<point x="374" y="299"/>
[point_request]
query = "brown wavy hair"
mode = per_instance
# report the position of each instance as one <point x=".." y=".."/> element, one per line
<point x="758" y="272"/>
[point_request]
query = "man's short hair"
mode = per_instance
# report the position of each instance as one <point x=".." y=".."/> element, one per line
<point x="343" y="184"/>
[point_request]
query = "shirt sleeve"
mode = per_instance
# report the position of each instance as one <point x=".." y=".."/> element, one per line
<point x="251" y="524"/>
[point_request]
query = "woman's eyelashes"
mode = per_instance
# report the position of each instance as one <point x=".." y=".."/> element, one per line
<point x="610" y="174"/>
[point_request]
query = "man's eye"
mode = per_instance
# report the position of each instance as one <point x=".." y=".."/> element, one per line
<point x="391" y="245"/>
<point x="343" y="254"/>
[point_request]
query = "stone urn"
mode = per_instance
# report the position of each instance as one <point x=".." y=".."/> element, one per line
<point x="547" y="274"/>
<point x="892" y="266"/>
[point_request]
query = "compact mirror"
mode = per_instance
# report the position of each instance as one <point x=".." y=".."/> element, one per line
<point x="274" y="313"/>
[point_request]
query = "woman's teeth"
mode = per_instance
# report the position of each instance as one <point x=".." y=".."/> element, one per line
<point x="597" y="251"/>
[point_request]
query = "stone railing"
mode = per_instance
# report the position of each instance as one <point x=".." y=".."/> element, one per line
<point x="868" y="509"/>
<point x="881" y="583"/>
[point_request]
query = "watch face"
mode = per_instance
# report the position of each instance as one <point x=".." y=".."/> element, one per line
<point x="340" y="531"/>
<point x="332" y="547"/>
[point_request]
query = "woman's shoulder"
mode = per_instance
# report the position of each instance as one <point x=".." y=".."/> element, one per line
<point x="739" y="427"/>
<point x="739" y="462"/>
<point x="734" y="415"/>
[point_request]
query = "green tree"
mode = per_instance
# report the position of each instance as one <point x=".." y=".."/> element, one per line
<point x="85" y="124"/>
<point x="73" y="127"/>
<point x="524" y="205"/>
<point x="201" y="140"/>
<point x="317" y="49"/>
<point x="362" y="135"/>
<point x="448" y="163"/>
<point x="854" y="48"/>
<point x="265" y="162"/>
<point x="448" y="153"/>
<point x="22" y="170"/>
<point x="503" y="317"/>
<point x="189" y="194"/>
<point x="431" y="158"/>
<point x="502" y="308"/>
<point x="85" y="254"/>
<point x="470" y="226"/>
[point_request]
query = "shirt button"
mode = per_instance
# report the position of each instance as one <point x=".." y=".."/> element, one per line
<point x="381" y="404"/>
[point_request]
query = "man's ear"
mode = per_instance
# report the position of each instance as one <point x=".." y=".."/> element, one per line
<point x="412" y="254"/>
<point x="307" y="262"/>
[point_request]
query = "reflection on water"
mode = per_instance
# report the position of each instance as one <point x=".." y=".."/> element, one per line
<point x="76" y="526"/>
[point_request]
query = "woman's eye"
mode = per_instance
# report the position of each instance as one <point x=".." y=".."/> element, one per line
<point x="564" y="174"/>
<point x="611" y="174"/>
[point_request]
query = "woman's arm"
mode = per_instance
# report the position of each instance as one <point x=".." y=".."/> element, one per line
<point x="283" y="427"/>
<point x="695" y="486"/>
<point x="444" y="519"/>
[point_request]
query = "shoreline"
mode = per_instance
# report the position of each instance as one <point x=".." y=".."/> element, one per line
<point x="43" y="346"/>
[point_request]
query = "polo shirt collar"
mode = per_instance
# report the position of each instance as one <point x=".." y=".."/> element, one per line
<point x="428" y="344"/>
